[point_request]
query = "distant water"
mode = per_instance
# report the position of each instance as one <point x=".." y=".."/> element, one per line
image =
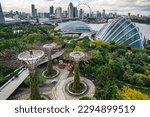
<point x="144" y="28"/>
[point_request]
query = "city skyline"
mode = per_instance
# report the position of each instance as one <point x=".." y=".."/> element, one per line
<point x="122" y="7"/>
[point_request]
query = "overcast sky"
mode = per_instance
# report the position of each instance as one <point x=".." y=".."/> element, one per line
<point x="120" y="6"/>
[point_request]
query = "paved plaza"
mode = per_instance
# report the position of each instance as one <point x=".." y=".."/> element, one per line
<point x="57" y="91"/>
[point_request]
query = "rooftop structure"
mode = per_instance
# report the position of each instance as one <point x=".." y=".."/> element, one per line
<point x="122" y="31"/>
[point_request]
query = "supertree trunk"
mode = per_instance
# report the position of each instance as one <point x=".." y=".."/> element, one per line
<point x="76" y="83"/>
<point x="49" y="66"/>
<point x="34" y="86"/>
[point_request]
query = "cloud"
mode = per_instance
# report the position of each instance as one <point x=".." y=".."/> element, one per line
<point x="49" y="0"/>
<point x="120" y="6"/>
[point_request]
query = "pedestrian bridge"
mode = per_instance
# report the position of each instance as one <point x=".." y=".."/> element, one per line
<point x="10" y="86"/>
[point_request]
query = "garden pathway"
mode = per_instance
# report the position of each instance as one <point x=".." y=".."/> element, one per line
<point x="9" y="87"/>
<point x="57" y="91"/>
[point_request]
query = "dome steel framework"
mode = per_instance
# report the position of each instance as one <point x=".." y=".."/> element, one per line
<point x="122" y="31"/>
<point x="74" y="27"/>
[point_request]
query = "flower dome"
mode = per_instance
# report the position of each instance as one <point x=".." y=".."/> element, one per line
<point x="74" y="27"/>
<point x="122" y="31"/>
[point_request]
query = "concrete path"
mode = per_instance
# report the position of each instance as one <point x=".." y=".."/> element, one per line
<point x="58" y="91"/>
<point x="13" y="85"/>
<point x="56" y="55"/>
<point x="10" y="86"/>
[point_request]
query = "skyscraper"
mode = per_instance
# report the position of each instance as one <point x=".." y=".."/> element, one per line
<point x="75" y="12"/>
<point x="70" y="10"/>
<point x="98" y="15"/>
<point x="129" y="15"/>
<point x="81" y="12"/>
<point x="65" y="13"/>
<point x="33" y="11"/>
<point x="58" y="12"/>
<point x="51" y="10"/>
<point x="103" y="14"/>
<point x="2" y="20"/>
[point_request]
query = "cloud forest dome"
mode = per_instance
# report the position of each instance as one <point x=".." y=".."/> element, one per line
<point x="122" y="31"/>
<point x="74" y="27"/>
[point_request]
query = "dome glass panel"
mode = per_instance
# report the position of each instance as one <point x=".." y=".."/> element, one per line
<point x="74" y="27"/>
<point x="122" y="31"/>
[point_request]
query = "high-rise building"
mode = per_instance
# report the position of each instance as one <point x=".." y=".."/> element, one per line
<point x="91" y="15"/>
<point x="46" y="15"/>
<point x="110" y="15"/>
<point x="70" y="10"/>
<point x="75" y="12"/>
<point x="51" y="10"/>
<point x="81" y="13"/>
<point x="2" y="20"/>
<point x="86" y="15"/>
<point x="98" y="15"/>
<point x="33" y="11"/>
<point x="58" y="12"/>
<point x="115" y="15"/>
<point x="65" y="13"/>
<point x="103" y="14"/>
<point x="129" y="15"/>
<point x="41" y="15"/>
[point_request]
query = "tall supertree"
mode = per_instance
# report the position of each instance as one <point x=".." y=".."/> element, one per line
<point x="77" y="56"/>
<point x="31" y="58"/>
<point x="49" y="48"/>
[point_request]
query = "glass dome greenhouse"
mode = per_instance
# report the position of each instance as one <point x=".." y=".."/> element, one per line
<point x="74" y="27"/>
<point x="122" y="31"/>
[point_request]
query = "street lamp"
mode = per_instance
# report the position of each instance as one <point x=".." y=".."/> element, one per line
<point x="31" y="58"/>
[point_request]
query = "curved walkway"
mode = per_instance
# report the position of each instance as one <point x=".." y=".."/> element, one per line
<point x="12" y="85"/>
<point x="56" y="55"/>
<point x="59" y="93"/>
<point x="82" y="36"/>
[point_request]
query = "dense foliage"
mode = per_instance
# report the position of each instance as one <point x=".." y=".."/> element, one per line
<point x="107" y="64"/>
<point x="76" y="84"/>
<point x="86" y="98"/>
<point x="16" y="38"/>
<point x="3" y="72"/>
<point x="128" y="93"/>
<point x="28" y="37"/>
<point x="110" y="63"/>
